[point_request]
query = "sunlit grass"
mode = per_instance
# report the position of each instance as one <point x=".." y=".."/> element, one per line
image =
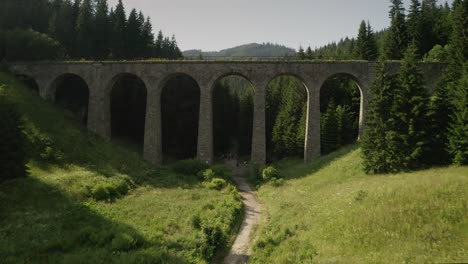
<point x="331" y="211"/>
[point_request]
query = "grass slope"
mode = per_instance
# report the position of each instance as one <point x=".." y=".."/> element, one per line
<point x="331" y="212"/>
<point x="51" y="215"/>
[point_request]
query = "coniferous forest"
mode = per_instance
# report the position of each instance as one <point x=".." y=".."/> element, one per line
<point x="428" y="31"/>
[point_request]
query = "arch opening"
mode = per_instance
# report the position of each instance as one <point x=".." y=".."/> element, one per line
<point x="29" y="82"/>
<point x="340" y="111"/>
<point x="71" y="93"/>
<point x="233" y="117"/>
<point x="128" y="110"/>
<point x="286" y="117"/>
<point x="180" y="107"/>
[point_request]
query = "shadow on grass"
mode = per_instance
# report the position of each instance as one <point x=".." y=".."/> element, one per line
<point x="39" y="224"/>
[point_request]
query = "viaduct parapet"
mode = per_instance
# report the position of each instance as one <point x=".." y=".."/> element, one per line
<point x="101" y="77"/>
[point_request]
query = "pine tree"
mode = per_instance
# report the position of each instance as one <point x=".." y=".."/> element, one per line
<point x="309" y="53"/>
<point x="377" y="157"/>
<point x="329" y="130"/>
<point x="158" y="46"/>
<point x="61" y="27"/>
<point x="102" y="30"/>
<point x="361" y="42"/>
<point x="409" y="112"/>
<point x="415" y="25"/>
<point x="372" y="52"/>
<point x="147" y="38"/>
<point x="301" y="54"/>
<point x="85" y="28"/>
<point x="119" y="29"/>
<point x="396" y="39"/>
<point x="458" y="129"/>
<point x="133" y="34"/>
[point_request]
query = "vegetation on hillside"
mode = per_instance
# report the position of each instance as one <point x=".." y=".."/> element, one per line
<point x="86" y="200"/>
<point x="247" y="50"/>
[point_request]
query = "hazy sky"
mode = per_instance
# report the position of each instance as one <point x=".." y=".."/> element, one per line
<point x="218" y="24"/>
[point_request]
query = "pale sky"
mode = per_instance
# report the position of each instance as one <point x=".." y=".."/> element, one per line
<point x="219" y="24"/>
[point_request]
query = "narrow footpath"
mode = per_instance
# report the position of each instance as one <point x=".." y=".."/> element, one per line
<point x="241" y="249"/>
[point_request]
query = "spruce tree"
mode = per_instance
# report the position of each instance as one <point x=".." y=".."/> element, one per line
<point x="377" y="157"/>
<point x="133" y="34"/>
<point x="409" y="112"/>
<point x="361" y="42"/>
<point x="147" y="38"/>
<point x="329" y="130"/>
<point x="415" y="24"/>
<point x="119" y="29"/>
<point x="158" y="45"/>
<point x="102" y="30"/>
<point x="85" y="28"/>
<point x="458" y="128"/>
<point x="372" y="52"/>
<point x="309" y="53"/>
<point x="396" y="39"/>
<point x="301" y="54"/>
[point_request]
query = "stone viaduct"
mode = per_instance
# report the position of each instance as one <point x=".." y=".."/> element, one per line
<point x="101" y="76"/>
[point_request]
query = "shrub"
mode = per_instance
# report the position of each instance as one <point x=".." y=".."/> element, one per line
<point x="216" y="184"/>
<point x="276" y="182"/>
<point x="270" y="173"/>
<point x="207" y="175"/>
<point x="124" y="242"/>
<point x="189" y="167"/>
<point x="13" y="142"/>
<point x="100" y="192"/>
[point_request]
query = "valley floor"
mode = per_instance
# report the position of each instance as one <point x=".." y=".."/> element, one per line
<point x="331" y="212"/>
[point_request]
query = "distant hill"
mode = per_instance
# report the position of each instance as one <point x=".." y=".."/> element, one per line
<point x="247" y="50"/>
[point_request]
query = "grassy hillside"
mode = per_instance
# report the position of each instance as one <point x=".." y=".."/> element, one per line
<point x="331" y="212"/>
<point x="89" y="201"/>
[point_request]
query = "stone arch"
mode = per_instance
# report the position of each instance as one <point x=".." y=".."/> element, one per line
<point x="128" y="98"/>
<point x="363" y="97"/>
<point x="301" y="116"/>
<point x="180" y="106"/>
<point x="71" y="92"/>
<point x="233" y="112"/>
<point x="29" y="81"/>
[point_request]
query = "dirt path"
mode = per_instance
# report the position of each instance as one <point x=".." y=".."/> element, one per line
<point x="240" y="251"/>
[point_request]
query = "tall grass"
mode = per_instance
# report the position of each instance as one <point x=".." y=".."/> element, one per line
<point x="331" y="212"/>
<point x="89" y="201"/>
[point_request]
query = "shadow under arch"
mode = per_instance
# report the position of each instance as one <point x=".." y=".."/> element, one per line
<point x="29" y="81"/>
<point x="233" y="104"/>
<point x="71" y="92"/>
<point x="180" y="107"/>
<point x="128" y="98"/>
<point x="287" y="98"/>
<point x="344" y="93"/>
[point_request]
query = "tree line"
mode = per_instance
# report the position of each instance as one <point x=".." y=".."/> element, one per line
<point x="408" y="128"/>
<point x="427" y="25"/>
<point x="79" y="29"/>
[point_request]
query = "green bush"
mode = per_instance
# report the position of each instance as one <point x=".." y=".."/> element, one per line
<point x="124" y="242"/>
<point x="276" y="182"/>
<point x="207" y="175"/>
<point x="216" y="184"/>
<point x="110" y="190"/>
<point x="13" y="142"/>
<point x="100" y="192"/>
<point x="189" y="167"/>
<point x="270" y="173"/>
